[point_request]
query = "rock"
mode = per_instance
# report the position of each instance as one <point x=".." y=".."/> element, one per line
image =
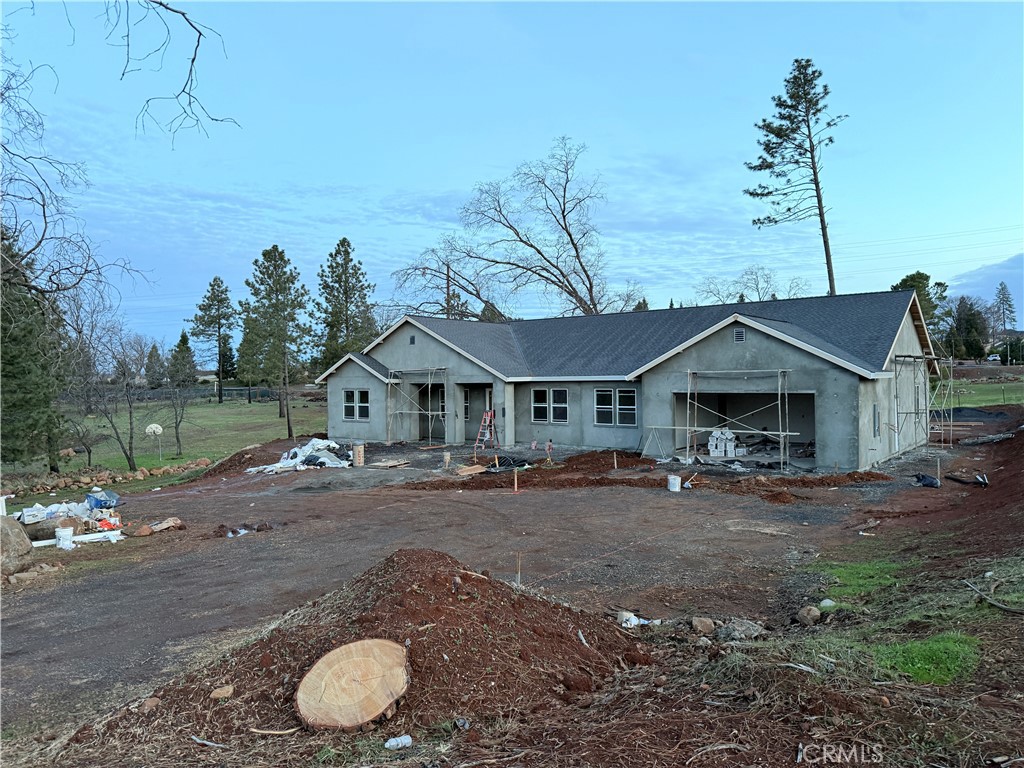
<point x="149" y="705"/>
<point x="884" y="701"/>
<point x="704" y="642"/>
<point x="827" y="603"/>
<point x="738" y="629"/>
<point x="224" y="692"/>
<point x="143" y="530"/>
<point x="808" y="615"/>
<point x="702" y="625"/>
<point x="15" y="546"/>
<point x="156" y="472"/>
<point x="85" y="480"/>
<point x="144" y="472"/>
<point x="22" y="577"/>
<point x="45" y="529"/>
<point x="204" y="462"/>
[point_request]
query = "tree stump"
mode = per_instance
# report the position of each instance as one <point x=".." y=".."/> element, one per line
<point x="353" y="685"/>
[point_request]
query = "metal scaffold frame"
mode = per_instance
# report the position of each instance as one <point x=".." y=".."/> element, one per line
<point x="922" y="407"/>
<point x="736" y="425"/>
<point x="941" y="403"/>
<point x="411" y="407"/>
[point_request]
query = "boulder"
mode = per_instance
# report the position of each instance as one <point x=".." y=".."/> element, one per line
<point x="808" y="615"/>
<point x="45" y="529"/>
<point x="702" y="625"/>
<point x="15" y="546"/>
<point x="738" y="629"/>
<point x="204" y="462"/>
<point x="143" y="530"/>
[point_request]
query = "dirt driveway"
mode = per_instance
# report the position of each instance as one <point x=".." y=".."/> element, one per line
<point x="127" y="616"/>
<point x="124" y="618"/>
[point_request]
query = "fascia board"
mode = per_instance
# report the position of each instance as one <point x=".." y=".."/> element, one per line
<point x="345" y="359"/>
<point x="737" y="318"/>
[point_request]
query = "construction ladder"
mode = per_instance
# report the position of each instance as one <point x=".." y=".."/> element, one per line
<point x="487" y="432"/>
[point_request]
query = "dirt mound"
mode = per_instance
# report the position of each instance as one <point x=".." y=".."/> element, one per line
<point x="478" y="649"/>
<point x="256" y="456"/>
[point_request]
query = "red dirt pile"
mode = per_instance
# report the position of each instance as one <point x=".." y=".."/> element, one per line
<point x="478" y="649"/>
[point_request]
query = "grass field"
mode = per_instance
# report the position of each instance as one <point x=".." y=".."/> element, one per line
<point x="210" y="430"/>
<point x="969" y="394"/>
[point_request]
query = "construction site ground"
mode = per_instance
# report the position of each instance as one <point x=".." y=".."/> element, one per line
<point x="118" y="622"/>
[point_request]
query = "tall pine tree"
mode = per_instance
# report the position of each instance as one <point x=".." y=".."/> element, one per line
<point x="29" y="358"/>
<point x="791" y="147"/>
<point x="181" y="367"/>
<point x="343" y="310"/>
<point x="1005" y="311"/>
<point x="272" y="318"/>
<point x="213" y="322"/>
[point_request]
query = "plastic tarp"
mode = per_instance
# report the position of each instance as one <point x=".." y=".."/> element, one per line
<point x="315" y="453"/>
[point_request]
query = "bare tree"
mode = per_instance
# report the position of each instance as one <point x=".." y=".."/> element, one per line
<point x="532" y="230"/>
<point x="754" y="283"/>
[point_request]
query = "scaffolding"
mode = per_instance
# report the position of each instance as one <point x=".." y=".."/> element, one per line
<point x="922" y="409"/>
<point x="401" y="404"/>
<point x="736" y="425"/>
<point x="941" y="403"/>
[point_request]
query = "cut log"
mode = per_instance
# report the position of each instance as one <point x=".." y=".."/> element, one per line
<point x="352" y="685"/>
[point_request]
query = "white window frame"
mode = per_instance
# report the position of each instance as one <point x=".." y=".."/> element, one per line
<point x="355" y="405"/>
<point x="465" y="404"/>
<point x="604" y="409"/>
<point x="555" y="406"/>
<point x="621" y="409"/>
<point x="534" y="405"/>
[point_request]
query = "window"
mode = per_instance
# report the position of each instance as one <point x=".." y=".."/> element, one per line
<point x="603" y="411"/>
<point x="412" y="338"/>
<point x="876" y="420"/>
<point x="356" y="405"/>
<point x="615" y="406"/>
<point x="465" y="404"/>
<point x="739" y="335"/>
<point x="626" y="407"/>
<point x="540" y="405"/>
<point x="559" y="406"/>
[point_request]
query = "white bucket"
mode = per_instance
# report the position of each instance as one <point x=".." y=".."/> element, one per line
<point x="675" y="483"/>
<point x="358" y="454"/>
<point x="63" y="536"/>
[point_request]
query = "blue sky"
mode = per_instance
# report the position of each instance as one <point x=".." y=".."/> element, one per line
<point x="373" y="121"/>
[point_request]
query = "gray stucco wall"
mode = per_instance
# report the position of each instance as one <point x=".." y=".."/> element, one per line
<point x="580" y="429"/>
<point x="353" y="376"/>
<point x="397" y="353"/>
<point x="901" y="402"/>
<point x="836" y="391"/>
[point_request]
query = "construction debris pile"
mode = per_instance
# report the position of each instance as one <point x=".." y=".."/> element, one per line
<point x="478" y="649"/>
<point x="316" y="453"/>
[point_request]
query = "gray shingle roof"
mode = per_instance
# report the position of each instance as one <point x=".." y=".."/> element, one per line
<point x="856" y="328"/>
<point x="371" y="363"/>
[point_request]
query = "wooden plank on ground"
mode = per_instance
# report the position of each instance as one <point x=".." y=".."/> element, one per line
<point x="433" y="447"/>
<point x="387" y="464"/>
<point x="472" y="469"/>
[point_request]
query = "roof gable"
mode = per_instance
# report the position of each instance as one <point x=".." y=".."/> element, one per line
<point x="375" y="367"/>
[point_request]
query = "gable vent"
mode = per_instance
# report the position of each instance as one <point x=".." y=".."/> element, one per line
<point x="739" y="335"/>
<point x="412" y="339"/>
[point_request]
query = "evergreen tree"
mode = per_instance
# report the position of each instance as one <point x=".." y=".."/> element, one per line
<point x="343" y="311"/>
<point x="929" y="295"/>
<point x="156" y="368"/>
<point x="181" y="369"/>
<point x="1004" y="308"/>
<point x="252" y="352"/>
<point x="641" y="306"/>
<point x="791" y="155"/>
<point x="213" y="322"/>
<point x="29" y="353"/>
<point x="671" y="304"/>
<point x="968" y="330"/>
<point x="229" y="367"/>
<point x="274" y="316"/>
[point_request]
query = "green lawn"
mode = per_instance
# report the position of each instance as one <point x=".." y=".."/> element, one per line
<point x="969" y="394"/>
<point x="210" y="430"/>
